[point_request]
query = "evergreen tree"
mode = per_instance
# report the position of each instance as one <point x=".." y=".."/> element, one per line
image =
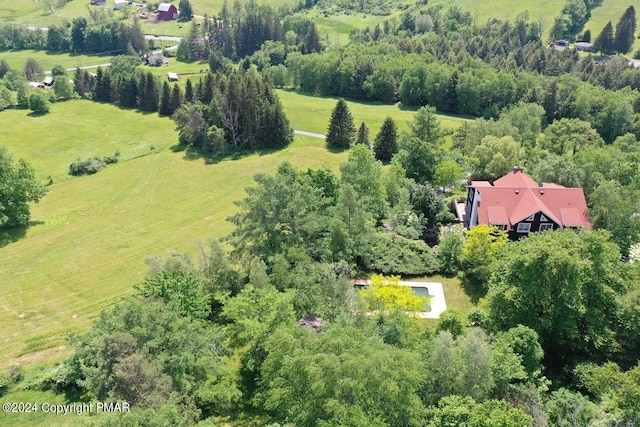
<point x="207" y="89"/>
<point x="4" y="67"/>
<point x="625" y="31"/>
<point x="342" y="131"/>
<point x="82" y="82"/>
<point x="176" y="99"/>
<point x="604" y="41"/>
<point x="363" y="135"/>
<point x="550" y="101"/>
<point x="186" y="11"/>
<point x="386" y="144"/>
<point x="165" y="106"/>
<point x="128" y="91"/>
<point x="198" y="94"/>
<point x="188" y="92"/>
<point x="451" y="94"/>
<point x="586" y="37"/>
<point x="103" y="86"/>
<point x="312" y="39"/>
<point x="141" y="90"/>
<point x="151" y="95"/>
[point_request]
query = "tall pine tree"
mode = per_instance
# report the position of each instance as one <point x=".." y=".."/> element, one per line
<point x="165" y="106"/>
<point x="363" y="135"/>
<point x="386" y="144"/>
<point x="188" y="92"/>
<point x="625" y="31"/>
<point x="342" y="131"/>
<point x="151" y="93"/>
<point x="103" y="86"/>
<point x="176" y="99"/>
<point x="604" y="41"/>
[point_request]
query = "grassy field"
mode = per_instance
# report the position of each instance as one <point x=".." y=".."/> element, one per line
<point x="86" y="246"/>
<point x="17" y="58"/>
<point x="544" y="10"/>
<point x="37" y="13"/>
<point x="312" y="113"/>
<point x="611" y="10"/>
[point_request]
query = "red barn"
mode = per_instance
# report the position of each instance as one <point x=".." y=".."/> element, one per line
<point x="167" y="12"/>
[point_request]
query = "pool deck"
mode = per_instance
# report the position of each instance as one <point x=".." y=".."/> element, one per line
<point x="438" y="303"/>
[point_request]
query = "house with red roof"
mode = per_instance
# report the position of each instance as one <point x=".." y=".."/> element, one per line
<point x="519" y="205"/>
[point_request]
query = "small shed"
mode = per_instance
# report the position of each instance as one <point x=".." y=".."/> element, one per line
<point x="173" y="77"/>
<point x="167" y="12"/>
<point x="120" y="4"/>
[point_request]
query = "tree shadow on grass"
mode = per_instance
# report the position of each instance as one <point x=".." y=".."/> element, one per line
<point x="37" y="113"/>
<point x="473" y="290"/>
<point x="13" y="234"/>
<point x="192" y="153"/>
<point x="336" y="150"/>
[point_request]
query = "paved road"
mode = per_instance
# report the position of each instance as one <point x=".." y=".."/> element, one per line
<point x="163" y="38"/>
<point x="311" y="134"/>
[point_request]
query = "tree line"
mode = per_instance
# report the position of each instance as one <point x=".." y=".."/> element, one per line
<point x="105" y="35"/>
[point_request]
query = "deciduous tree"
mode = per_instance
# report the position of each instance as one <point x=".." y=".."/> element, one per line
<point x="18" y="187"/>
<point x="563" y="285"/>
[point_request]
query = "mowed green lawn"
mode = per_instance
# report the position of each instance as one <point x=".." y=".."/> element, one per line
<point x="18" y="58"/>
<point x="483" y="10"/>
<point x="312" y="113"/>
<point x="611" y="10"/>
<point x="86" y="247"/>
<point x="37" y="13"/>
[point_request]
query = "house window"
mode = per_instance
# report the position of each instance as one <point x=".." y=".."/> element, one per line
<point x="499" y="226"/>
<point x="530" y="218"/>
<point x="524" y="227"/>
<point x="546" y="226"/>
<point x="543" y="218"/>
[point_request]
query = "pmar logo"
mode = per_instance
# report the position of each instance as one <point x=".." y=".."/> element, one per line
<point x="113" y="407"/>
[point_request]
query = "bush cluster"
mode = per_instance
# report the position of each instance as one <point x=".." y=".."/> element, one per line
<point x="91" y="165"/>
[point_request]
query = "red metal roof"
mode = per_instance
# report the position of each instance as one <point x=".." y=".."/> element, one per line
<point x="516" y="196"/>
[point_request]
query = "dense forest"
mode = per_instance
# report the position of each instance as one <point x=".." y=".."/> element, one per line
<point x="273" y="329"/>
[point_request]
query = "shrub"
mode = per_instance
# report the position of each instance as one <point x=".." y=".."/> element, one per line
<point x="55" y="378"/>
<point x="15" y="373"/>
<point x="11" y="375"/>
<point x="450" y="253"/>
<point x="393" y="254"/>
<point x="86" y="166"/>
<point x="4" y="384"/>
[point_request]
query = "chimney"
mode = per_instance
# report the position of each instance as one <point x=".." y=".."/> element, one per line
<point x="517" y="169"/>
